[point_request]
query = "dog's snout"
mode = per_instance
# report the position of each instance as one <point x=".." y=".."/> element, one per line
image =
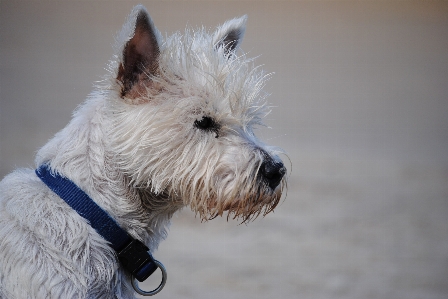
<point x="272" y="172"/>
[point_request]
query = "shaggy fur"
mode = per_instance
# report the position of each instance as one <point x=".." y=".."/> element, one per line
<point x="170" y="126"/>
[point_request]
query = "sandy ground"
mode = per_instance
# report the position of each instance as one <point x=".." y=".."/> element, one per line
<point x="361" y="102"/>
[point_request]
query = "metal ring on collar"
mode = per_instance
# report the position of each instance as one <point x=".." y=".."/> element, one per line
<point x="158" y="289"/>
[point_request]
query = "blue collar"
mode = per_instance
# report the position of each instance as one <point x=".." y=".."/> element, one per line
<point x="132" y="254"/>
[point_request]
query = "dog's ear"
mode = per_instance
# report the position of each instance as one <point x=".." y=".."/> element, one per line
<point x="230" y="34"/>
<point x="140" y="54"/>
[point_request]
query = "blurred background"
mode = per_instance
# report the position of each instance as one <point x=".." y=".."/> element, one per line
<point x="360" y="96"/>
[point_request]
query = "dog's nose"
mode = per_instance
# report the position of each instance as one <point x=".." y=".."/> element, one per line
<point x="272" y="172"/>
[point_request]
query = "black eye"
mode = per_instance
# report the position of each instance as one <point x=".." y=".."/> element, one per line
<point x="207" y="124"/>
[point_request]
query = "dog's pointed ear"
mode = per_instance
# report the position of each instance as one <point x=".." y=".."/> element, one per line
<point x="140" y="54"/>
<point x="230" y="34"/>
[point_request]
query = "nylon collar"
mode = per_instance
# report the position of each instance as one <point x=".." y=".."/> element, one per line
<point x="132" y="254"/>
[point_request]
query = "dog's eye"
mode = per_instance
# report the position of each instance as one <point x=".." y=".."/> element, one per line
<point x="207" y="124"/>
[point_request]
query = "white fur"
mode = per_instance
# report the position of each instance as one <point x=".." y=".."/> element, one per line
<point x="141" y="160"/>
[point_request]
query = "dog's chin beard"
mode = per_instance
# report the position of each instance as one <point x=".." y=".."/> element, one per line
<point x="246" y="209"/>
<point x="237" y="207"/>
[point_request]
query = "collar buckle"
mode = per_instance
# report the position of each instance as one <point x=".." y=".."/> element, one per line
<point x="136" y="259"/>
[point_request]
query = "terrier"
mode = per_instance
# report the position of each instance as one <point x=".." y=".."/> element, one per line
<point x="170" y="126"/>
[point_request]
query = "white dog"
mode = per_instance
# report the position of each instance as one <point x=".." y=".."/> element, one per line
<point x="171" y="126"/>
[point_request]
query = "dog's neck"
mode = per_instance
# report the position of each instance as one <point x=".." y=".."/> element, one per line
<point x="80" y="153"/>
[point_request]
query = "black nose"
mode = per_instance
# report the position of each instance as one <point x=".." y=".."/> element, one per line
<point x="272" y="172"/>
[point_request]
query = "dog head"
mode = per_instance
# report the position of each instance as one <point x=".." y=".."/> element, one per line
<point x="184" y="109"/>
